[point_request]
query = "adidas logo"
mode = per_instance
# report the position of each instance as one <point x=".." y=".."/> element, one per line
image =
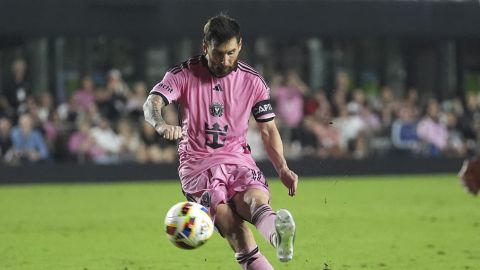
<point x="217" y="88"/>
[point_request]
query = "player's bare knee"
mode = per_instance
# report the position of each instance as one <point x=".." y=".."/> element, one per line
<point x="255" y="198"/>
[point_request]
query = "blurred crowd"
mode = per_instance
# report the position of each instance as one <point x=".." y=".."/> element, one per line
<point x="102" y="122"/>
<point x="347" y="123"/>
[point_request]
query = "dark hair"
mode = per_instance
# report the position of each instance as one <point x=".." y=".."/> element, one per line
<point x="220" y="29"/>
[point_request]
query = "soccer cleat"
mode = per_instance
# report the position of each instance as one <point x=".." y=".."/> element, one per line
<point x="285" y="226"/>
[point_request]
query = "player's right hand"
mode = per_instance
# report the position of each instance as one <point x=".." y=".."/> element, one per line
<point x="170" y="132"/>
<point x="289" y="180"/>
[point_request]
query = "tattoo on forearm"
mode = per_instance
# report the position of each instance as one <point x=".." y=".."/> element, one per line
<point x="152" y="110"/>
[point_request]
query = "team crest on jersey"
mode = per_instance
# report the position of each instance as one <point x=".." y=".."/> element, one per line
<point x="216" y="109"/>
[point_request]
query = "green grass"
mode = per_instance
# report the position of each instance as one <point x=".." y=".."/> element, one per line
<point x="409" y="222"/>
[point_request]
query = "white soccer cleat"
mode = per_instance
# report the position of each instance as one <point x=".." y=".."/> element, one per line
<point x="285" y="226"/>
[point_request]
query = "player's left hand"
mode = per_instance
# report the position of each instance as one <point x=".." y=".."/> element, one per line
<point x="289" y="180"/>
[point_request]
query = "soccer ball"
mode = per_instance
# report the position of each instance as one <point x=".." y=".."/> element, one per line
<point x="188" y="225"/>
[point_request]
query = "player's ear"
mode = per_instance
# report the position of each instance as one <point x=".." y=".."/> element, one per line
<point x="205" y="47"/>
<point x="240" y="44"/>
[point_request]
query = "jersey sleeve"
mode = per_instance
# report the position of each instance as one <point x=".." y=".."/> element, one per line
<point x="170" y="87"/>
<point x="262" y="109"/>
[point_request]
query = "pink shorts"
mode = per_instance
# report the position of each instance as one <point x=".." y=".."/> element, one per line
<point x="220" y="183"/>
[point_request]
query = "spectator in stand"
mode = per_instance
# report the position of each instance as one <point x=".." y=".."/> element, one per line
<point x="5" y="140"/>
<point x="316" y="105"/>
<point x="339" y="94"/>
<point x="358" y="107"/>
<point x="371" y="119"/>
<point x="105" y="103"/>
<point x="5" y="109"/>
<point x="375" y="140"/>
<point x="28" y="143"/>
<point x="323" y="105"/>
<point x="117" y="94"/>
<point x="387" y="106"/>
<point x="431" y="131"/>
<point x="134" y="107"/>
<point x="342" y="81"/>
<point x="328" y="137"/>
<point x="351" y="128"/>
<point x="289" y="102"/>
<point x="313" y="102"/>
<point x="69" y="113"/>
<point x="85" y="96"/>
<point x="45" y="106"/>
<point x="56" y="133"/>
<point x="404" y="132"/>
<point x="81" y="144"/>
<point x="467" y="122"/>
<point x="108" y="141"/>
<point x="31" y="107"/>
<point x="130" y="142"/>
<point x="455" y="143"/>
<point x="412" y="100"/>
<point x="116" y="85"/>
<point x="94" y="115"/>
<point x="358" y="102"/>
<point x="339" y="101"/>
<point x="17" y="87"/>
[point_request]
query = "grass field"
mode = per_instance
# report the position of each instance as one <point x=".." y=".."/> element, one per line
<point x="404" y="223"/>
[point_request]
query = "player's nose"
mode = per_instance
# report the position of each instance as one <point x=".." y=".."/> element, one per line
<point x="225" y="60"/>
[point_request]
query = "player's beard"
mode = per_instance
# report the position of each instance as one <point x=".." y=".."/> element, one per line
<point x="221" y="70"/>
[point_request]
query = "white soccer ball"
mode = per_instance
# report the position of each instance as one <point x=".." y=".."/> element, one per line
<point x="188" y="225"/>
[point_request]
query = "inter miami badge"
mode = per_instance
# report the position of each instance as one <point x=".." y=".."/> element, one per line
<point x="216" y="109"/>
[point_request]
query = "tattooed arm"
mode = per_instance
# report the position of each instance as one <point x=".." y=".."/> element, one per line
<point x="152" y="110"/>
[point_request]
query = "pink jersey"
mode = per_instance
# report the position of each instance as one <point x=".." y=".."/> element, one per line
<point x="215" y="112"/>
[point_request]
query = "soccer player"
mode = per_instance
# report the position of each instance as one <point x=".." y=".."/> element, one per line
<point x="217" y="94"/>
